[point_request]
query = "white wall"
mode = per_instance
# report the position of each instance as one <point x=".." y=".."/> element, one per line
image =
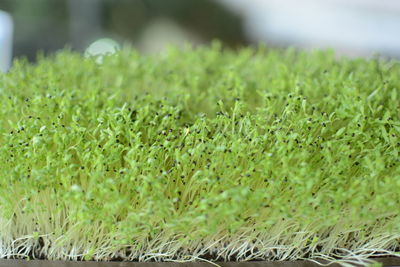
<point x="353" y="27"/>
<point x="6" y="29"/>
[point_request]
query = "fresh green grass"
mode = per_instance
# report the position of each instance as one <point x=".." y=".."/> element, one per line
<point x="250" y="154"/>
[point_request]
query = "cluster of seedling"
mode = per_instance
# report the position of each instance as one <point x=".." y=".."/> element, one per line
<point x="201" y="154"/>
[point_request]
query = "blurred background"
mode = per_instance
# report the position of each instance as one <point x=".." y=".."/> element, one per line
<point x="352" y="27"/>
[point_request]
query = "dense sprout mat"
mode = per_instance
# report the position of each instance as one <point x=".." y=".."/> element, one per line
<point x="202" y="154"/>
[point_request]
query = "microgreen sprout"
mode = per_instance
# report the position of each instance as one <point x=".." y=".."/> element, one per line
<point x="203" y="153"/>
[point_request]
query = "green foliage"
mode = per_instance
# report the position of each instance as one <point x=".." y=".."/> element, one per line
<point x="250" y="154"/>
